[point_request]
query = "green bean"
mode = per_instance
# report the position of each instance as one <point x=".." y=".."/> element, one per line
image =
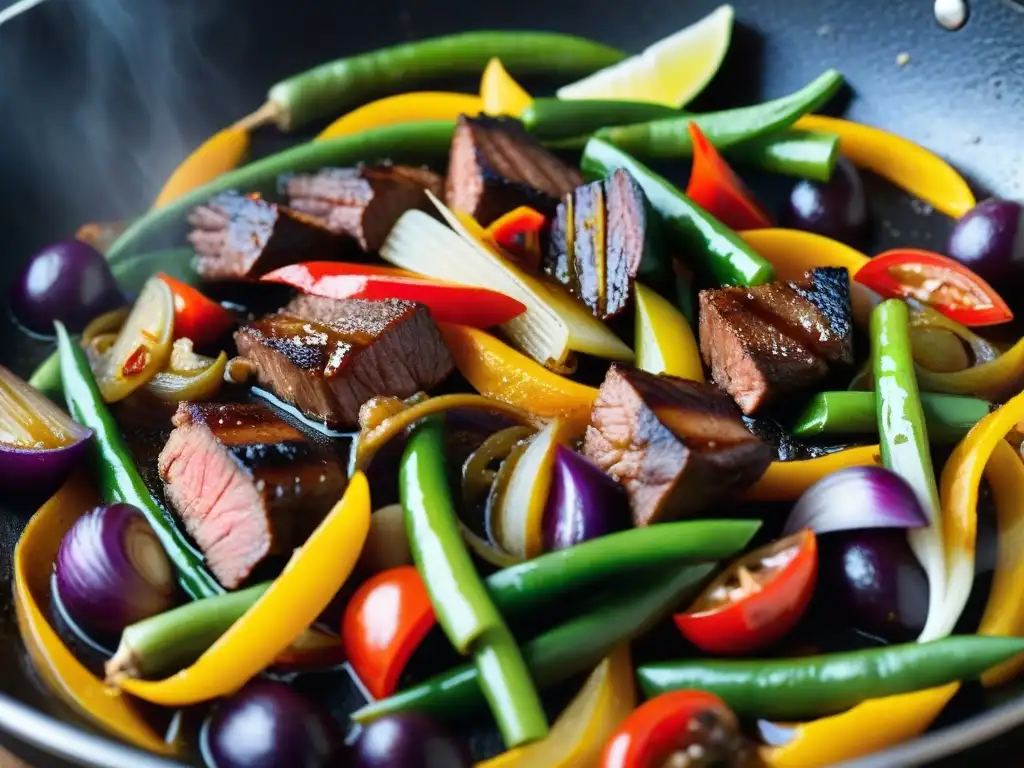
<point x="793" y="152"/>
<point x="671" y="137"/>
<point x="413" y="141"/>
<point x="565" y="118"/>
<point x="329" y="88"/>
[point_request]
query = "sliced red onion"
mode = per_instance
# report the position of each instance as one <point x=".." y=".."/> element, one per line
<point x="583" y="502"/>
<point x="856" y="498"/>
<point x="111" y="571"/>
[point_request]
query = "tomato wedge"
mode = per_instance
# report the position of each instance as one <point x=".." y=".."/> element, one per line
<point x="196" y="317"/>
<point x="716" y="188"/>
<point x="518" y="232"/>
<point x="936" y="280"/>
<point x="676" y="722"/>
<point x="757" y="601"/>
<point x="384" y="622"/>
<point x="447" y="302"/>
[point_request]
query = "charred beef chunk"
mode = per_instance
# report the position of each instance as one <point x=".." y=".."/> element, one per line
<point x="237" y="237"/>
<point x="600" y="236"/>
<point x="362" y="202"/>
<point x="766" y="342"/>
<point x="679" y="447"/>
<point x="495" y="166"/>
<point x="245" y="484"/>
<point x="327" y="357"/>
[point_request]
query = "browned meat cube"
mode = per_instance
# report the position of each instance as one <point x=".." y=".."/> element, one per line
<point x="245" y="484"/>
<point x="363" y="203"/>
<point x="679" y="447"/>
<point x="327" y="357"/>
<point x="772" y="340"/>
<point x="238" y="237"/>
<point x="495" y="166"/>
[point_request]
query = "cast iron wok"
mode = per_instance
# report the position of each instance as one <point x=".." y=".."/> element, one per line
<point x="100" y="98"/>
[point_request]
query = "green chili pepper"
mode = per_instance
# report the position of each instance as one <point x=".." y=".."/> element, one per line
<point x="671" y="137"/>
<point x="114" y="469"/>
<point x="329" y="88"/>
<point x="569" y="649"/>
<point x="820" y="685"/>
<point x="414" y="141"/>
<point x="568" y="118"/>
<point x="131" y="273"/>
<point x="711" y="245"/>
<point x="949" y="417"/>
<point x="793" y="152"/>
<point x="461" y="603"/>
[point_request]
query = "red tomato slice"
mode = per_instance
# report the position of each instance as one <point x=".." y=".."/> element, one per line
<point x="196" y="317"/>
<point x="716" y="188"/>
<point x="757" y="601"/>
<point x="384" y="622"/>
<point x="671" y="723"/>
<point x="936" y="280"/>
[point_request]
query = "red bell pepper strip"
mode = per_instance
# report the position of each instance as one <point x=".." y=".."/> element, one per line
<point x="667" y="724"/>
<point x="716" y="188"/>
<point x="447" y="302"/>
<point x="518" y="232"/>
<point x="384" y="622"/>
<point x="936" y="280"/>
<point x="757" y="601"/>
<point x="196" y="317"/>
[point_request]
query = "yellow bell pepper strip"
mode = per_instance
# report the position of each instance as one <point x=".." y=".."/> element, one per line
<point x="220" y="153"/>
<point x="787" y="480"/>
<point x="994" y="380"/>
<point x="583" y="728"/>
<point x="403" y="108"/>
<point x="314" y="574"/>
<point x="792" y="252"/>
<point x="868" y="727"/>
<point x="497" y="371"/>
<point x="961" y="478"/>
<point x="500" y="93"/>
<point x="1004" y="612"/>
<point x="664" y="338"/>
<point x="906" y="164"/>
<point x="63" y="674"/>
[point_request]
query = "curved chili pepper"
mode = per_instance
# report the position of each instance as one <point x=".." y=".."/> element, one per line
<point x="904" y="163"/>
<point x="718" y="190"/>
<point x="500" y="94"/>
<point x="332" y="86"/>
<point x="816" y="685"/>
<point x="293" y="601"/>
<point x="787" y="480"/>
<point x="116" y="473"/>
<point x="868" y="727"/>
<point x="63" y="674"/>
<point x="220" y="153"/>
<point x="409" y="140"/>
<point x="403" y="108"/>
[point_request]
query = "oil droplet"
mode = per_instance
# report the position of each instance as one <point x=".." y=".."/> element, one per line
<point x="951" y="14"/>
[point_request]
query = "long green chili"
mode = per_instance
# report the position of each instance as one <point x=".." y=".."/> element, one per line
<point x="413" y="141"/>
<point x="793" y="152"/>
<point x="115" y="473"/>
<point x="568" y="118"/>
<point x="670" y="137"/>
<point x="461" y="603"/>
<point x="569" y="649"/>
<point x="329" y="88"/>
<point x="819" y="685"/>
<point x="711" y="245"/>
<point x="949" y="417"/>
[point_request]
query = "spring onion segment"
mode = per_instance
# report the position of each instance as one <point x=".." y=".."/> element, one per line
<point x="903" y="437"/>
<point x="553" y="325"/>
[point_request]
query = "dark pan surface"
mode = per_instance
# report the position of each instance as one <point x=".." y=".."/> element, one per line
<point x="100" y="99"/>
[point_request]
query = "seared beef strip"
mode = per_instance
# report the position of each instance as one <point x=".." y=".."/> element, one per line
<point x="245" y="484"/>
<point x="495" y="166"/>
<point x="238" y="237"/>
<point x="600" y="236"/>
<point x="679" y="447"/>
<point x="361" y="202"/>
<point x="766" y="342"/>
<point x="327" y="356"/>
